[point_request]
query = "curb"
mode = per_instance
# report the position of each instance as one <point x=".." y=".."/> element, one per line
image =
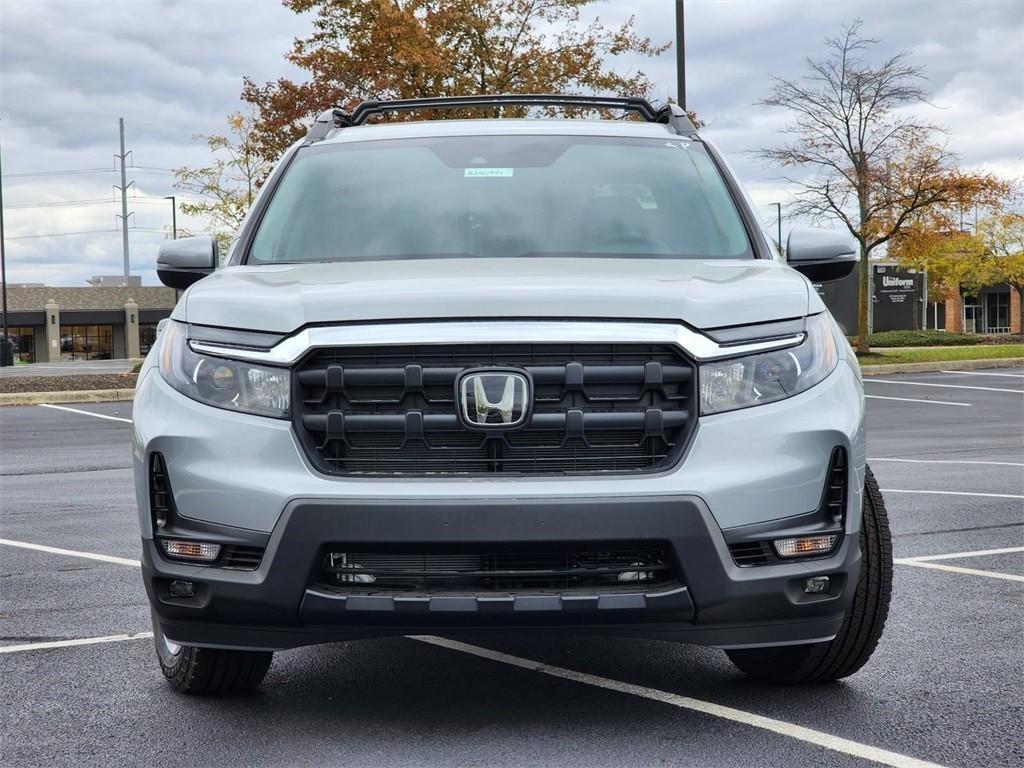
<point x="948" y="365"/>
<point x="71" y="396"/>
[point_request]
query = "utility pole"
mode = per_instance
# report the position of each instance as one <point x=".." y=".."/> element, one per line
<point x="6" y="352"/>
<point x="122" y="158"/>
<point x="174" y="217"/>
<point x="778" y="207"/>
<point x="680" y="55"/>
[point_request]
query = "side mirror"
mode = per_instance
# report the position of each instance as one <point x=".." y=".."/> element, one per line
<point x="822" y="255"/>
<point x="188" y="260"/>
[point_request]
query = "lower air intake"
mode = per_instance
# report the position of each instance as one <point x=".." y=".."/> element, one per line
<point x="621" y="567"/>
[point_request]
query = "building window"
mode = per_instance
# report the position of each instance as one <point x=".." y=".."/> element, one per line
<point x="86" y="342"/>
<point x="23" y="338"/>
<point x="147" y="337"/>
<point x="997" y="312"/>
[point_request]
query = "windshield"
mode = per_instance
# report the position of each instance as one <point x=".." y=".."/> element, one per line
<point x="501" y="196"/>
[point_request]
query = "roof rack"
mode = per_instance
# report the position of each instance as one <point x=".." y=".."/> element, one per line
<point x="672" y="114"/>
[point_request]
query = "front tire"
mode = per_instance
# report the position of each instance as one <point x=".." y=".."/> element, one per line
<point x="210" y="671"/>
<point x="865" y="618"/>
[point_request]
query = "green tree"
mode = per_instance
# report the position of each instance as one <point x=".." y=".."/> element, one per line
<point x="227" y="187"/>
<point x="389" y="49"/>
<point x="1003" y="235"/>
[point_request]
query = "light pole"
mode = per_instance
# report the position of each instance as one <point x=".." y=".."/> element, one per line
<point x="680" y="55"/>
<point x="174" y="217"/>
<point x="6" y="350"/>
<point x="778" y="208"/>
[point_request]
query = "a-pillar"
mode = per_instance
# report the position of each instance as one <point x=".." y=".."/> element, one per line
<point x="52" y="354"/>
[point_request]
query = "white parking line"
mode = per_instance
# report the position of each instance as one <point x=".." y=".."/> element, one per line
<point x="85" y="413"/>
<point x="957" y="569"/>
<point x="958" y="555"/>
<point x="914" y="400"/>
<point x="71" y="553"/>
<point x="71" y="643"/>
<point x="944" y="386"/>
<point x="985" y="373"/>
<point x="799" y="732"/>
<point x="956" y="493"/>
<point x="953" y="461"/>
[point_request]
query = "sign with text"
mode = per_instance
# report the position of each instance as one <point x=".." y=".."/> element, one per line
<point x="897" y="298"/>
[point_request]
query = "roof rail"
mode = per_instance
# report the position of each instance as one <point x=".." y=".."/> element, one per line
<point x="672" y="114"/>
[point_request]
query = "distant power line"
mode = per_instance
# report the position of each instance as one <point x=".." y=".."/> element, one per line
<point x="64" y="234"/>
<point x="67" y="172"/>
<point x="102" y="232"/>
<point x="76" y="171"/>
<point x="94" y="201"/>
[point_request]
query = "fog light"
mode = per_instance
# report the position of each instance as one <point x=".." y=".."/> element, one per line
<point x="817" y="585"/>
<point x="190" y="550"/>
<point x="806" y="545"/>
<point x="181" y="589"/>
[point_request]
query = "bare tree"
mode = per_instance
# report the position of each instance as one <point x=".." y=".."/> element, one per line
<point x="873" y="165"/>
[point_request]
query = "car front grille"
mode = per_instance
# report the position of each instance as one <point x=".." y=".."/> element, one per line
<point x="611" y="567"/>
<point x="595" y="408"/>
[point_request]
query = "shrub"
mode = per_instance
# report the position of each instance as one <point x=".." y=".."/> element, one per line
<point x="921" y="339"/>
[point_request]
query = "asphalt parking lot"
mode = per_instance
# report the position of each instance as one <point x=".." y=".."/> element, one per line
<point x="945" y="686"/>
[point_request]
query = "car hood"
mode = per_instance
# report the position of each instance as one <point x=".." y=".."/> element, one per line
<point x="704" y="294"/>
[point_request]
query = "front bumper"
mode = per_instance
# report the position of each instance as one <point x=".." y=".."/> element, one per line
<point x="751" y="473"/>
<point x="719" y="603"/>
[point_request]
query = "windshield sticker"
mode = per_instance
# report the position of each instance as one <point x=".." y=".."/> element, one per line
<point x="488" y="173"/>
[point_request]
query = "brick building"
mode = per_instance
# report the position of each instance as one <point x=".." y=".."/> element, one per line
<point x="994" y="309"/>
<point x="94" y="323"/>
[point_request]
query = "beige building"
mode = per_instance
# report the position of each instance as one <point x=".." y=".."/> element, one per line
<point x="94" y="323"/>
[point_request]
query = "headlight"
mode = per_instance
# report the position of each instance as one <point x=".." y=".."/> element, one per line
<point x="764" y="378"/>
<point x="230" y="384"/>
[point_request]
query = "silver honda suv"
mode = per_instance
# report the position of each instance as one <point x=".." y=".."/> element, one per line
<point x="502" y="375"/>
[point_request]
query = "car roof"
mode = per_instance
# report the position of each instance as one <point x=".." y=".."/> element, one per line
<point x="499" y="127"/>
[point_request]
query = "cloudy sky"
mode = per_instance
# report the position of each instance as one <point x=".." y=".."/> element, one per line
<point x="174" y="68"/>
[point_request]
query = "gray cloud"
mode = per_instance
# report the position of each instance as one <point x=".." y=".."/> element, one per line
<point x="173" y="68"/>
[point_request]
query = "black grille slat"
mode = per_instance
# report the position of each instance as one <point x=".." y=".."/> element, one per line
<point x="241" y="557"/>
<point x="751" y="553"/>
<point x="392" y="410"/>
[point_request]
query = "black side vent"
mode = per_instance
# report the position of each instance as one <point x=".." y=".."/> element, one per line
<point x="160" y="502"/>
<point x="836" y="483"/>
<point x="241" y="557"/>
<point x="751" y="552"/>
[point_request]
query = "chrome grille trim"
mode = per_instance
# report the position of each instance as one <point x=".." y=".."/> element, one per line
<point x="696" y="345"/>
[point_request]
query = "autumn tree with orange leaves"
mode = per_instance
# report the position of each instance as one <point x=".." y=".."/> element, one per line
<point x="867" y="160"/>
<point x="935" y="240"/>
<point x="397" y="49"/>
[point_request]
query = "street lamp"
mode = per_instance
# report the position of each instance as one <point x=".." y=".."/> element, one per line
<point x="680" y="55"/>
<point x="778" y="208"/>
<point x="6" y="348"/>
<point x="174" y="217"/>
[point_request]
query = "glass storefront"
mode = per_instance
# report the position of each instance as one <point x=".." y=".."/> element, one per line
<point x="997" y="312"/>
<point x="147" y="337"/>
<point x="24" y="343"/>
<point x="86" y="342"/>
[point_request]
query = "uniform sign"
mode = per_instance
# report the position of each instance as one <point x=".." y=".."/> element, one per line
<point x="897" y="299"/>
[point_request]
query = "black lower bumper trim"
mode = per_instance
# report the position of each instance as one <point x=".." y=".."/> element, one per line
<point x="714" y="601"/>
<point x="318" y="606"/>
